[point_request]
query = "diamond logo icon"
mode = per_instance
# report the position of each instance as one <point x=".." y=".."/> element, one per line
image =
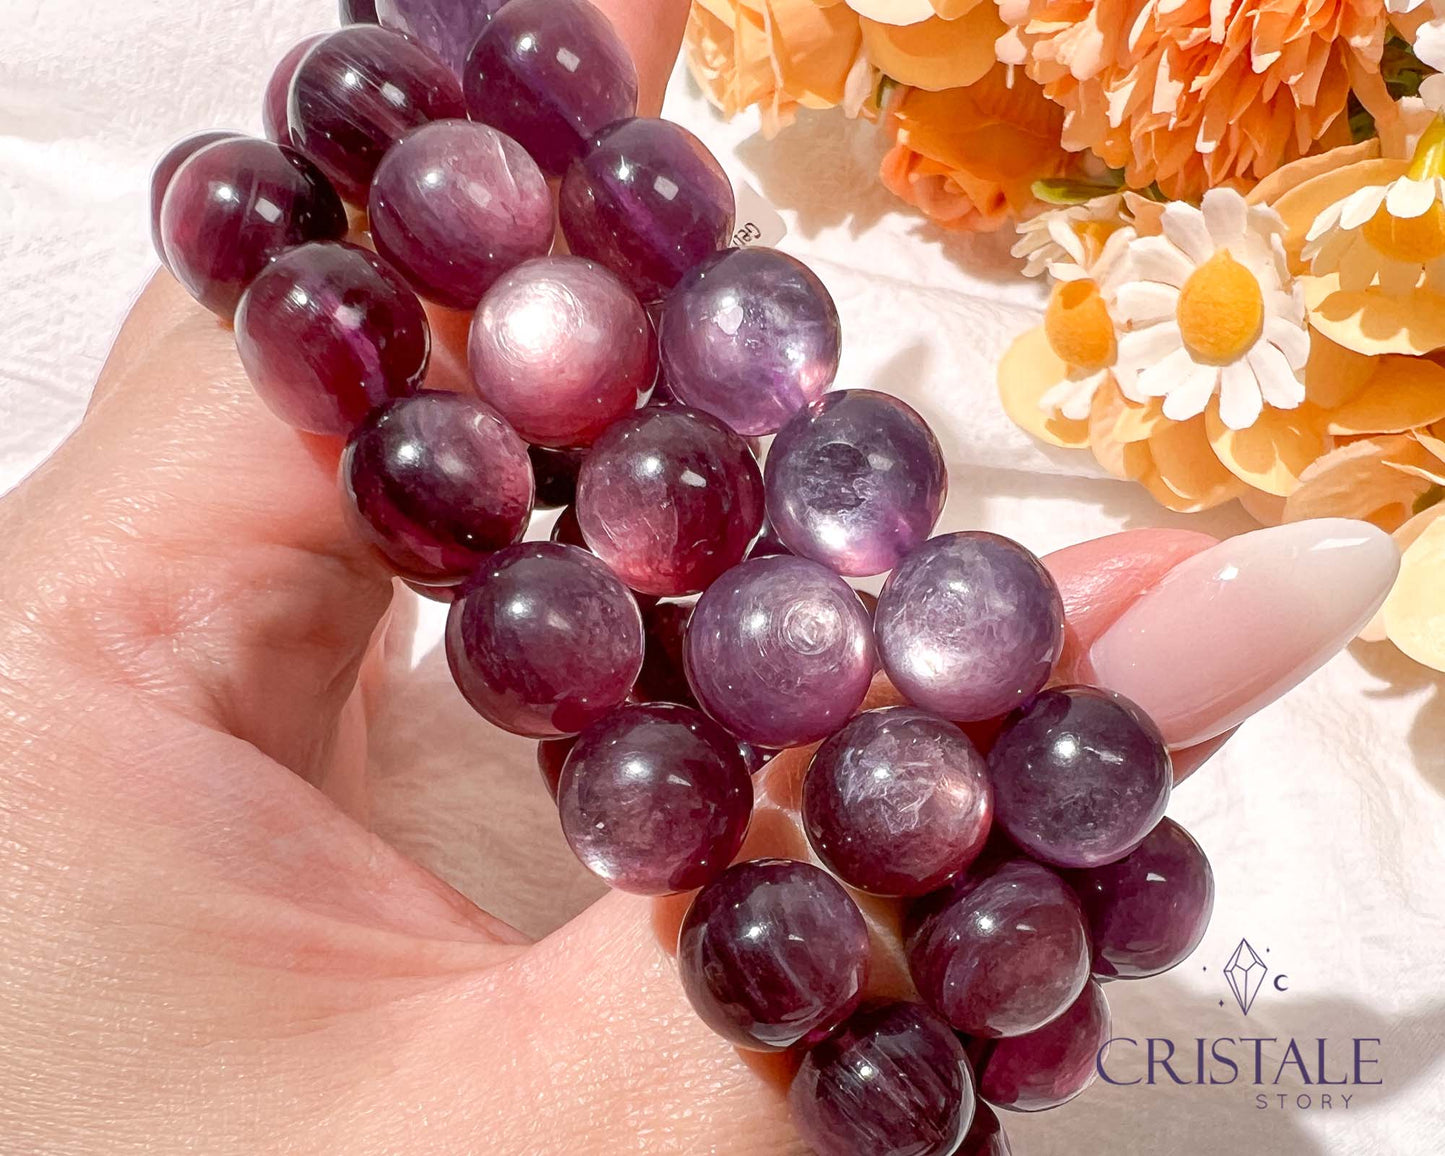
<point x="1245" y="973"/>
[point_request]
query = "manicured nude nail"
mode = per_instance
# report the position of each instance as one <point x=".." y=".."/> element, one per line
<point x="1228" y="631"/>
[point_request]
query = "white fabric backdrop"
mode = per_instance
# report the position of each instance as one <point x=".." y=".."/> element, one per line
<point x="1323" y="817"/>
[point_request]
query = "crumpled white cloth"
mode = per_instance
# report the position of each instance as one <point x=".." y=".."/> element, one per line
<point x="1324" y="817"/>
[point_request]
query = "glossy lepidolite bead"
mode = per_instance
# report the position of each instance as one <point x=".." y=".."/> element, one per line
<point x="780" y="651"/>
<point x="563" y="349"/>
<point x="550" y="73"/>
<point x="454" y="205"/>
<point x="655" y="799"/>
<point x="165" y="170"/>
<point x="545" y="641"/>
<point x="358" y="11"/>
<point x="437" y="482"/>
<point x="551" y="758"/>
<point x="360" y="91"/>
<point x="1003" y="952"/>
<point x="328" y="332"/>
<point x="556" y="474"/>
<point x="669" y="498"/>
<point x="235" y="205"/>
<point x="897" y="802"/>
<point x="856" y="481"/>
<point x="448" y="27"/>
<point x="274" y="116"/>
<point x="986" y="1137"/>
<point x="751" y="336"/>
<point x="773" y="952"/>
<point x="892" y="1081"/>
<point x="1050" y="1066"/>
<point x="1080" y="775"/>
<point x="649" y="201"/>
<point x="1149" y="910"/>
<point x="969" y="626"/>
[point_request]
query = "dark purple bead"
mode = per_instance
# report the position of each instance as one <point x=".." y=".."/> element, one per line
<point x="893" y="1081"/>
<point x="545" y="641"/>
<point x="234" y="206"/>
<point x="454" y="205"/>
<point x="768" y="544"/>
<point x="897" y="802"/>
<point x="1080" y="776"/>
<point x="551" y="74"/>
<point x="1148" y="911"/>
<point x="358" y="11"/>
<point x="670" y="498"/>
<point x="1050" y="1066"/>
<point x="663" y="678"/>
<point x="563" y="349"/>
<point x="437" y="482"/>
<point x="328" y="332"/>
<point x="556" y="474"/>
<point x="655" y="799"/>
<point x="986" y="1137"/>
<point x="750" y="336"/>
<point x="177" y="155"/>
<point x="1004" y="950"/>
<point x="360" y="91"/>
<point x="274" y="116"/>
<point x="969" y="626"/>
<point x="448" y="27"/>
<point x="780" y="651"/>
<point x="566" y="530"/>
<point x="648" y="201"/>
<point x="772" y="953"/>
<point x="856" y="481"/>
<point x="551" y="757"/>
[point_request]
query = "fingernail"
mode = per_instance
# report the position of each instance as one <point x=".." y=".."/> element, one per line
<point x="1228" y="631"/>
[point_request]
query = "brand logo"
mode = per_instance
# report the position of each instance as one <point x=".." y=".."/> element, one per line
<point x="1245" y="974"/>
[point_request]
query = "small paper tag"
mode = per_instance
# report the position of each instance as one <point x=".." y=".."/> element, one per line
<point x="758" y="223"/>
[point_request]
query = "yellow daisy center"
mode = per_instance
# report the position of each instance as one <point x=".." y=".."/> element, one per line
<point x="1078" y="325"/>
<point x="1221" y="310"/>
<point x="1414" y="240"/>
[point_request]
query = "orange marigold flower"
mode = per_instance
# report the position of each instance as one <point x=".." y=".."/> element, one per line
<point x="968" y="157"/>
<point x="1194" y="94"/>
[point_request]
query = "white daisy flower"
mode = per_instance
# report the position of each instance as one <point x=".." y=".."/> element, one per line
<point x="1210" y="307"/>
<point x="1066" y="242"/>
<point x="1081" y="330"/>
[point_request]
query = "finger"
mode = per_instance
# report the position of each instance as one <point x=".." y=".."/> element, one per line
<point x="652" y="31"/>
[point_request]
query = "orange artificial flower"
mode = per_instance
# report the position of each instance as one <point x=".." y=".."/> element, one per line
<point x="968" y="157"/>
<point x="1195" y="95"/>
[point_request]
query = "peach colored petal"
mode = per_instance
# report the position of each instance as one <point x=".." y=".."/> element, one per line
<point x="1266" y="509"/>
<point x="1272" y="453"/>
<point x="1371" y="322"/>
<point x="1027" y="371"/>
<point x="1415" y="610"/>
<point x="1129" y="460"/>
<point x="1296" y="173"/>
<point x="1302" y="204"/>
<point x="1403" y="394"/>
<point x="937" y="53"/>
<point x="1356" y="481"/>
<point x="813" y="49"/>
<point x="1185" y="463"/>
<point x="1334" y="374"/>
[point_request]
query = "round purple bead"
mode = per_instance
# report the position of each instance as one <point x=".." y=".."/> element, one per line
<point x="655" y="799"/>
<point x="897" y="802"/>
<point x="750" y="336"/>
<point x="448" y="27"/>
<point x="1050" y="1066"/>
<point x="358" y="92"/>
<point x="856" y="481"/>
<point x="1003" y="952"/>
<point x="274" y="116"/>
<point x="986" y="1137"/>
<point x="165" y="170"/>
<point x="563" y="349"/>
<point x="1149" y="910"/>
<point x="550" y="73"/>
<point x="327" y="333"/>
<point x="772" y="953"/>
<point x="358" y="11"/>
<point x="556" y="474"/>
<point x="1080" y="776"/>
<point x="551" y="758"/>
<point x="780" y="651"/>
<point x="648" y="201"/>
<point x="454" y="205"/>
<point x="545" y="641"/>
<point x="893" y="1081"/>
<point x="437" y="482"/>
<point x="670" y="499"/>
<point x="235" y="205"/>
<point x="969" y="626"/>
